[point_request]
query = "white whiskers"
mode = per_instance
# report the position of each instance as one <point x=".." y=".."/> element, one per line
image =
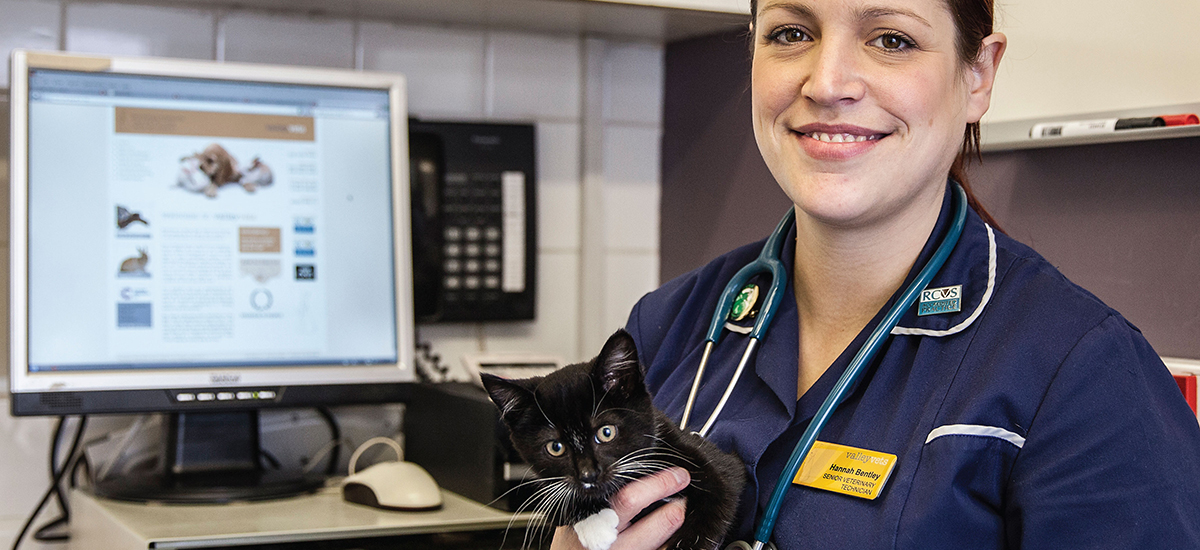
<point x="548" y="503"/>
<point x="647" y="461"/>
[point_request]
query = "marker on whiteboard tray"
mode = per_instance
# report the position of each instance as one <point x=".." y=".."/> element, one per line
<point x="1089" y="127"/>
<point x="1181" y="120"/>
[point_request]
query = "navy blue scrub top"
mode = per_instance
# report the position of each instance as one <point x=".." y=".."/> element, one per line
<point x="1036" y="417"/>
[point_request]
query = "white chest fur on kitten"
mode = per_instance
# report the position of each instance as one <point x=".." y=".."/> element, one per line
<point x="598" y="531"/>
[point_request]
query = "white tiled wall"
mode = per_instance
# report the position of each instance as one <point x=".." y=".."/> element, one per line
<point x="287" y="40"/>
<point x="558" y="186"/>
<point x="631" y="196"/>
<point x="533" y="76"/>
<point x="444" y="67"/>
<point x="632" y="83"/>
<point x="139" y="30"/>
<point x="28" y="24"/>
<point x="454" y="73"/>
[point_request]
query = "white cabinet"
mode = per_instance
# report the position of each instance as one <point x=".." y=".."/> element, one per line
<point x="1093" y="59"/>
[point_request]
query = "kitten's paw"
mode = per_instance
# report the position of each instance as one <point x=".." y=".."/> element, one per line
<point x="598" y="531"/>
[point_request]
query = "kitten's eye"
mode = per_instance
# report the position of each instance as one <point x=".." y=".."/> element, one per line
<point x="606" y="433"/>
<point x="555" y="448"/>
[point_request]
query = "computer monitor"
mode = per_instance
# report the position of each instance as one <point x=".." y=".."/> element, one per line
<point x="206" y="239"/>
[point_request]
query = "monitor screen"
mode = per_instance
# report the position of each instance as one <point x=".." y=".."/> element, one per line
<point x="190" y="235"/>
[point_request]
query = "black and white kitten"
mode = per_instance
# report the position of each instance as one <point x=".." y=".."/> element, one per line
<point x="590" y="428"/>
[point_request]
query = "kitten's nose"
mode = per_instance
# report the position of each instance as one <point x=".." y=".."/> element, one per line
<point x="588" y="475"/>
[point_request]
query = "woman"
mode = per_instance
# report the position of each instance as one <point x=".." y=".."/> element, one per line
<point x="1032" y="416"/>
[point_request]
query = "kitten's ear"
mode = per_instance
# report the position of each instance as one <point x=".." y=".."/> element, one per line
<point x="617" y="367"/>
<point x="506" y="394"/>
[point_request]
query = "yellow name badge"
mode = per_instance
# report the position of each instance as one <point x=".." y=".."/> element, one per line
<point x="847" y="470"/>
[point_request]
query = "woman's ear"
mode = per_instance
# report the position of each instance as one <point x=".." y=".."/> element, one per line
<point x="981" y="76"/>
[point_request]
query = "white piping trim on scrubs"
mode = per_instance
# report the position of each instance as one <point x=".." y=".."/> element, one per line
<point x="987" y="296"/>
<point x="976" y="429"/>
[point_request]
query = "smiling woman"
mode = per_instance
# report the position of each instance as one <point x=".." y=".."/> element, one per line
<point x="985" y="396"/>
<point x="865" y="84"/>
<point x="860" y="111"/>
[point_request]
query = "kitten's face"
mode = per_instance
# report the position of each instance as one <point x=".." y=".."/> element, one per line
<point x="588" y="424"/>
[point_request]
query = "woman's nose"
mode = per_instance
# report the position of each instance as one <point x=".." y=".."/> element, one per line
<point x="834" y="75"/>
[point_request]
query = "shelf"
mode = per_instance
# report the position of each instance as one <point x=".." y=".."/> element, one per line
<point x="1013" y="135"/>
<point x="657" y="20"/>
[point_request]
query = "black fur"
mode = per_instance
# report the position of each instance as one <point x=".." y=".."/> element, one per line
<point x="573" y="407"/>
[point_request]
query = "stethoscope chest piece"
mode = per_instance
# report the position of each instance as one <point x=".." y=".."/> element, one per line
<point x="743" y="545"/>
<point x="744" y="302"/>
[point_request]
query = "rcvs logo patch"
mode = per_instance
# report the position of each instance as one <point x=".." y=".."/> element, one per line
<point x="940" y="300"/>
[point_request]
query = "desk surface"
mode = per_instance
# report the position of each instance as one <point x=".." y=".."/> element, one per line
<point x="320" y="516"/>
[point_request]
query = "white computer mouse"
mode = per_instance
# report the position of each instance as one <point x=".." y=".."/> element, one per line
<point x="393" y="486"/>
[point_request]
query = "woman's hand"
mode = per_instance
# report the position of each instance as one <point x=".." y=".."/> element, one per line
<point x="650" y="532"/>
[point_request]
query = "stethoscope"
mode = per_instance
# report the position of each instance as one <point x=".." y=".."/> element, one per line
<point x="768" y="262"/>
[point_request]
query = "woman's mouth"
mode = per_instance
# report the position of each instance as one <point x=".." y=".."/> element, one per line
<point x="826" y="137"/>
<point x="840" y="142"/>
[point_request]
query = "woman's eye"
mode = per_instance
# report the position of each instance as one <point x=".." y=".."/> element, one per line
<point x="789" y="35"/>
<point x="893" y="42"/>
<point x="606" y="433"/>
<point x="555" y="448"/>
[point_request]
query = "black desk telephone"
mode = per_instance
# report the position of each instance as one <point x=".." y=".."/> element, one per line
<point x="474" y="218"/>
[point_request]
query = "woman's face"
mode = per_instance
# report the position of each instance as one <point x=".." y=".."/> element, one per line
<point x="859" y="106"/>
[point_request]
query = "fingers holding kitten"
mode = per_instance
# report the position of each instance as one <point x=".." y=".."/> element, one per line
<point x="647" y="533"/>
<point x="635" y="497"/>
<point x="654" y="530"/>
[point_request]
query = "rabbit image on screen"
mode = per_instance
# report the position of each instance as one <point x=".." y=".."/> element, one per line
<point x="137" y="264"/>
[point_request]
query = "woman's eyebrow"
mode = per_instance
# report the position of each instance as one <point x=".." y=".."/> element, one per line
<point x="865" y="14"/>
<point x="881" y="12"/>
<point x="797" y="9"/>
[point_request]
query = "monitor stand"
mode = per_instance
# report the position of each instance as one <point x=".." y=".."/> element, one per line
<point x="211" y="457"/>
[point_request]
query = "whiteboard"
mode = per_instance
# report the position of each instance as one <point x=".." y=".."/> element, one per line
<point x="1085" y="56"/>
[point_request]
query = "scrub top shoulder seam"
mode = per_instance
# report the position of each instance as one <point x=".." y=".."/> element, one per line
<point x="1033" y="419"/>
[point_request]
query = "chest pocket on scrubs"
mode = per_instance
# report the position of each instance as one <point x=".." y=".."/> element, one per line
<point x="963" y="474"/>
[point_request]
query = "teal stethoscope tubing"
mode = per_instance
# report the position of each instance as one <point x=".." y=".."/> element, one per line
<point x="857" y="365"/>
<point x="767" y="262"/>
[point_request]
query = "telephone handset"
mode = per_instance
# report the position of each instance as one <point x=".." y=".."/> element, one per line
<point x="474" y="220"/>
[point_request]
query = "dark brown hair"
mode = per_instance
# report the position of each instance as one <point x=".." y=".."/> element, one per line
<point x="974" y="20"/>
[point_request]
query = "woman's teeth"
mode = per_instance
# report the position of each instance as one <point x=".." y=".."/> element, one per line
<point x="840" y="138"/>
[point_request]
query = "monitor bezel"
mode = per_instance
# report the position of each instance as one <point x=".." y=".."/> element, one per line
<point x="59" y="393"/>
